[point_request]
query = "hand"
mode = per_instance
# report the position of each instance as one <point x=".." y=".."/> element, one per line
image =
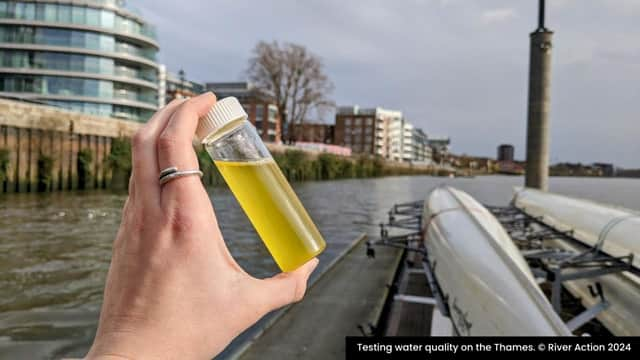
<point x="173" y="289"/>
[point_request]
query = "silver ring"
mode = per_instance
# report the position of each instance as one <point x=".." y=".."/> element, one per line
<point x="171" y="173"/>
<point x="167" y="171"/>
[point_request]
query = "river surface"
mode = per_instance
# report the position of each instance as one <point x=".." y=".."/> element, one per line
<point x="55" y="248"/>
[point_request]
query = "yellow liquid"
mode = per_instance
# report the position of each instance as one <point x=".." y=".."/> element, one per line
<point x="274" y="210"/>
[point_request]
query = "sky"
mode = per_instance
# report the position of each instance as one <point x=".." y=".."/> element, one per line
<point x="455" y="68"/>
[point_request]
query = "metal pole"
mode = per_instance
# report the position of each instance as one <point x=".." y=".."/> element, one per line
<point x="537" y="171"/>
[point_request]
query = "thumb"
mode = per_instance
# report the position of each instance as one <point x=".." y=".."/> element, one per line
<point x="289" y="287"/>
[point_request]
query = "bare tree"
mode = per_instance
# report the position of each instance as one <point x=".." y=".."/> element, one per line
<point x="294" y="77"/>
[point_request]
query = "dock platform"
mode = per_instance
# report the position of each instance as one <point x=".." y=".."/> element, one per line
<point x="351" y="292"/>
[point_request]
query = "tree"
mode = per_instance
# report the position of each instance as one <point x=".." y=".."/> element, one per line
<point x="294" y="77"/>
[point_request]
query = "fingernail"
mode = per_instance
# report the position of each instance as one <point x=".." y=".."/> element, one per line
<point x="315" y="264"/>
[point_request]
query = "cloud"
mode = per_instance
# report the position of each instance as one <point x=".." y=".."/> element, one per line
<point x="498" y="15"/>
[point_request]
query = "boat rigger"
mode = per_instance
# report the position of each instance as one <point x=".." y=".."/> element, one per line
<point x="485" y="266"/>
<point x="612" y="229"/>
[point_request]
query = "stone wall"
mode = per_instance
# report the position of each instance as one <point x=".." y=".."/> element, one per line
<point x="31" y="133"/>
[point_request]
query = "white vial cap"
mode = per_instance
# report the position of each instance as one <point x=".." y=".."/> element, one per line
<point x="223" y="112"/>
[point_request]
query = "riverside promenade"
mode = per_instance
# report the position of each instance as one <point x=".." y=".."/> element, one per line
<point x="351" y="292"/>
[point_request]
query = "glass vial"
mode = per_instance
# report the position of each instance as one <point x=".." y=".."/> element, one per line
<point x="259" y="186"/>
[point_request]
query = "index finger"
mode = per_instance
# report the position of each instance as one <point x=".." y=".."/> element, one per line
<point x="175" y="145"/>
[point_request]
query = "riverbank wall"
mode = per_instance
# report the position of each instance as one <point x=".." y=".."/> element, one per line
<point x="43" y="148"/>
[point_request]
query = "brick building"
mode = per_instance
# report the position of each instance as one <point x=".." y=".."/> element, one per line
<point x="312" y="132"/>
<point x="261" y="108"/>
<point x="365" y="131"/>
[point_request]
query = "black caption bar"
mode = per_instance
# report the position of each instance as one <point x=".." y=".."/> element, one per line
<point x="470" y="347"/>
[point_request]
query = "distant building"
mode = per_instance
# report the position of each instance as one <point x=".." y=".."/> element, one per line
<point x="440" y="145"/>
<point x="381" y="132"/>
<point x="365" y="131"/>
<point x="510" y="168"/>
<point x="395" y="138"/>
<point x="407" y="141"/>
<point x="261" y="108"/>
<point x="312" y="132"/>
<point x="606" y="168"/>
<point x="175" y="86"/>
<point x="422" y="152"/>
<point x="95" y="57"/>
<point x="505" y="152"/>
<point x="575" y="169"/>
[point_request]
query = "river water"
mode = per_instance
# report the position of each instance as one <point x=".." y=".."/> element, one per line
<point x="55" y="248"/>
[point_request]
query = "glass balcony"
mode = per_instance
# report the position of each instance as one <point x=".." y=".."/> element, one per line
<point x="72" y="62"/>
<point x="77" y="15"/>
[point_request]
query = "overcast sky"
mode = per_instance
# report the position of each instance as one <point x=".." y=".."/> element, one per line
<point x="454" y="67"/>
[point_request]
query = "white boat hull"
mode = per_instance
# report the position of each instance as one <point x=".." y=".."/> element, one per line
<point x="616" y="229"/>
<point x="484" y="279"/>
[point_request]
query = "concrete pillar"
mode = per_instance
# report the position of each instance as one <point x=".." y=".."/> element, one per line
<point x="537" y="172"/>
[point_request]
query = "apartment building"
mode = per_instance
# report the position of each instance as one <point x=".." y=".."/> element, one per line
<point x="261" y="108"/>
<point x="365" y="131"/>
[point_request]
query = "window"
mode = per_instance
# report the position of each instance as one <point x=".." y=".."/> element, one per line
<point x="369" y="121"/>
<point x="108" y="43"/>
<point x="77" y="39"/>
<point x="50" y="12"/>
<point x="107" y="19"/>
<point x="77" y="15"/>
<point x="30" y="11"/>
<point x="19" y="10"/>
<point x="347" y="122"/>
<point x="357" y="121"/>
<point x="106" y="66"/>
<point x="259" y="112"/>
<point x="64" y="13"/>
<point x="273" y="113"/>
<point x="93" y="17"/>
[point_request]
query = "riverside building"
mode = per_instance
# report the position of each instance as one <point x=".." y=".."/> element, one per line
<point x="175" y="86"/>
<point x="312" y="132"/>
<point x="365" y="131"/>
<point x="261" y="108"/>
<point x="381" y="132"/>
<point x="93" y="56"/>
<point x="505" y="152"/>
